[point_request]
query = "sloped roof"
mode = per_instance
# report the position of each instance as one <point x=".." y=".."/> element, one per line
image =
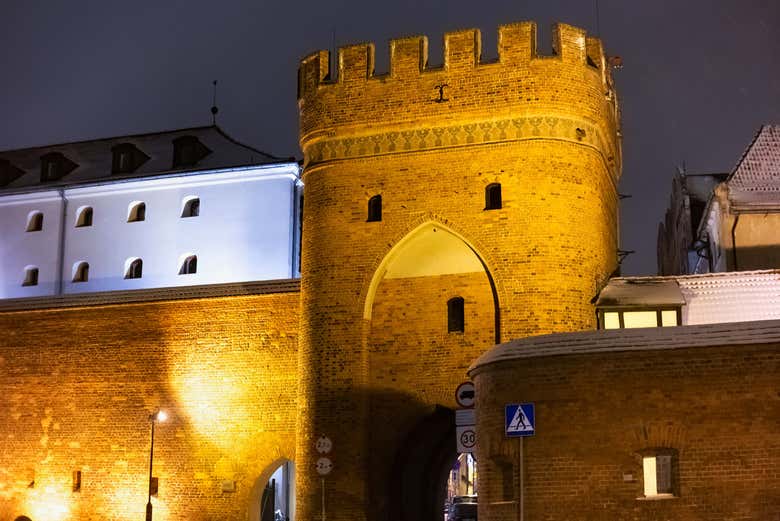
<point x="94" y="157"/>
<point x="705" y="298"/>
<point x="756" y="179"/>
<point x="623" y="340"/>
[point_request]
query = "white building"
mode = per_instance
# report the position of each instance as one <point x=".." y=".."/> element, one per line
<point x="179" y="208"/>
<point x="711" y="298"/>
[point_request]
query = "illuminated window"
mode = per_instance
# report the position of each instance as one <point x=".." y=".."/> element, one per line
<point x="658" y="473"/>
<point x="84" y="217"/>
<point x="136" y="212"/>
<point x="632" y="319"/>
<point x="134" y="268"/>
<point x="618" y="319"/>
<point x="34" y="222"/>
<point x="80" y="272"/>
<point x="189" y="266"/>
<point x="191" y="207"/>
<point x="493" y="196"/>
<point x="375" y="209"/>
<point x="455" y="316"/>
<point x="30" y="276"/>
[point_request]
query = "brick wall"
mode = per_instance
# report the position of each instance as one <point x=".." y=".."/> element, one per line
<point x="543" y="127"/>
<point x="717" y="407"/>
<point x="78" y="386"/>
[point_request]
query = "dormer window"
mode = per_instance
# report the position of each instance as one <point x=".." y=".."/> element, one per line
<point x="187" y="151"/>
<point x="9" y="173"/>
<point x="126" y="158"/>
<point x="55" y="166"/>
<point x="633" y="318"/>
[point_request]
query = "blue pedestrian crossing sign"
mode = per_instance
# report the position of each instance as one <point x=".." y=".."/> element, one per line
<point x="519" y="419"/>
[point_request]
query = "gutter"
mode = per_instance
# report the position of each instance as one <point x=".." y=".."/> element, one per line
<point x="61" y="243"/>
<point x="734" y="241"/>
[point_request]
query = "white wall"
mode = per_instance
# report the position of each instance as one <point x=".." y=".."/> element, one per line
<point x="20" y="248"/>
<point x="246" y="231"/>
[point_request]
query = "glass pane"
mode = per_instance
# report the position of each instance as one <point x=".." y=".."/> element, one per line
<point x="640" y="319"/>
<point x="663" y="472"/>
<point x="648" y="472"/>
<point x="611" y="320"/>
<point x="669" y="318"/>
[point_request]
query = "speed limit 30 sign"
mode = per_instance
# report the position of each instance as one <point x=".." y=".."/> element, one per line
<point x="466" y="438"/>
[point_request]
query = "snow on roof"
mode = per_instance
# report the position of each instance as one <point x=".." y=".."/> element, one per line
<point x="626" y="340"/>
<point x="708" y="298"/>
<point x="641" y="292"/>
<point x="107" y="298"/>
<point x="756" y="179"/>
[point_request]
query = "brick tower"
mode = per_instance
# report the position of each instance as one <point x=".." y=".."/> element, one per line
<point x="446" y="209"/>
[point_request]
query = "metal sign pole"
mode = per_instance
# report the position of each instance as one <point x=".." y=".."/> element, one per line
<point x="323" y="499"/>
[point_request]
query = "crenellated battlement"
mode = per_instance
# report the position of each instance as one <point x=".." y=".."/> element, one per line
<point x="517" y="46"/>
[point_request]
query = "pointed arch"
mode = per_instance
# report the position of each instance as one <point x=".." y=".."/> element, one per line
<point x="404" y="245"/>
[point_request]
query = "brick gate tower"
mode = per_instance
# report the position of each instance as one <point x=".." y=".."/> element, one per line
<point x="446" y="209"/>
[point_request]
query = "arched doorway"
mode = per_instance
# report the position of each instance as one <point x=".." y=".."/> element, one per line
<point x="431" y="310"/>
<point x="273" y="497"/>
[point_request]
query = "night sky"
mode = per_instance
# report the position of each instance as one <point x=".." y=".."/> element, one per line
<point x="699" y="78"/>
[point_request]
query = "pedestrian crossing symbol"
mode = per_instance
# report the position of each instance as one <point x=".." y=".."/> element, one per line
<point x="519" y="419"/>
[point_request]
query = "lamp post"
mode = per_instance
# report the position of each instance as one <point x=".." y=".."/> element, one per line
<point x="153" y="418"/>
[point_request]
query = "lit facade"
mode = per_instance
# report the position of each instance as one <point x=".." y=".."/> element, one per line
<point x="217" y="222"/>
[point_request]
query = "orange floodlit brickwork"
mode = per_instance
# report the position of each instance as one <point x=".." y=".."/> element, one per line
<point x="430" y="141"/>
<point x="78" y="387"/>
<point x="369" y="352"/>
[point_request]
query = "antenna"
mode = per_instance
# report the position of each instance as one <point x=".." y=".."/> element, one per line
<point x="214" y="108"/>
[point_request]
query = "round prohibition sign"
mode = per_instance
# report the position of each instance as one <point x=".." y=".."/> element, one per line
<point x="468" y="438"/>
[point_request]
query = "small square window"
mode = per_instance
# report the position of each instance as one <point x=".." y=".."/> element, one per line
<point x="658" y="473"/>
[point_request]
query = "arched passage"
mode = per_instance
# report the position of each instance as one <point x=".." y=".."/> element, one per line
<point x="273" y="494"/>
<point x="419" y="346"/>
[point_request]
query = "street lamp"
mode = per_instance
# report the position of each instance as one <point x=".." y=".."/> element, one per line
<point x="153" y="418"/>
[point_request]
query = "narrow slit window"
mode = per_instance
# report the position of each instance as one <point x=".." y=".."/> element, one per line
<point x="76" y="481"/>
<point x="35" y="222"/>
<point x="137" y="212"/>
<point x="84" y="217"/>
<point x="134" y="269"/>
<point x="493" y="196"/>
<point x="375" y="209"/>
<point x="80" y="272"/>
<point x="455" y="315"/>
<point x="30" y="276"/>
<point x="189" y="265"/>
<point x="191" y="207"/>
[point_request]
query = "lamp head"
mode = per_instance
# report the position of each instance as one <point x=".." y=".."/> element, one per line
<point x="159" y="416"/>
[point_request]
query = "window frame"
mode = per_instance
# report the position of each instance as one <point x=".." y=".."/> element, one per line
<point x="374" y="209"/>
<point x="456" y="323"/>
<point x="672" y="470"/>
<point x="189" y="204"/>
<point x="80" y="272"/>
<point x="490" y="198"/>
<point x="136" y="212"/>
<point x="84" y="217"/>
<point x="31" y="276"/>
<point x="186" y="265"/>
<point x="34" y="221"/>
<point x="131" y="265"/>
<point x="602" y="311"/>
